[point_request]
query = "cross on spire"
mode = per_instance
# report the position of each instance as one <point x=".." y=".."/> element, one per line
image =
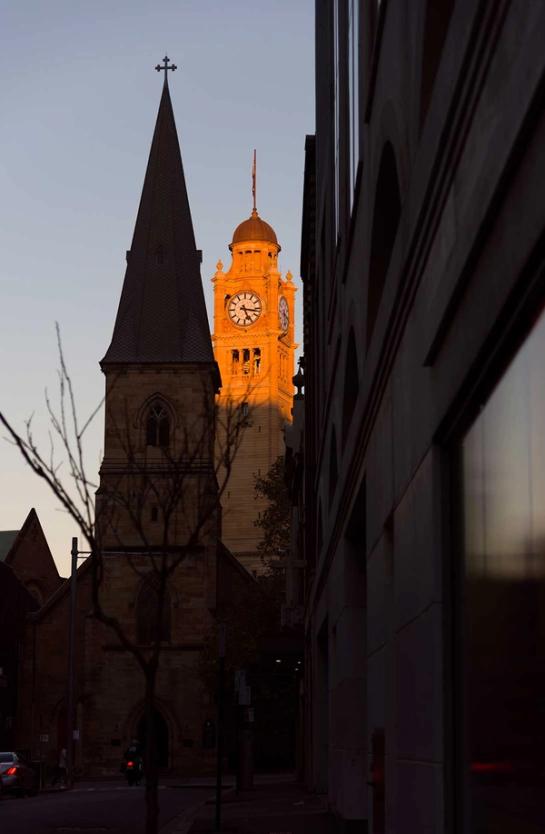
<point x="166" y="67"/>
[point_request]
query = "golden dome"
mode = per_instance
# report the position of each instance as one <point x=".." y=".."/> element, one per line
<point x="254" y="228"/>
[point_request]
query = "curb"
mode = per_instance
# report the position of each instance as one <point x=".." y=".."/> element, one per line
<point x="183" y="822"/>
<point x="187" y="785"/>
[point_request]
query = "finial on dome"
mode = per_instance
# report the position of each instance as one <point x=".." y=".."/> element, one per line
<point x="219" y="265"/>
<point x="289" y="276"/>
<point x="254" y="176"/>
<point x="254" y="228"/>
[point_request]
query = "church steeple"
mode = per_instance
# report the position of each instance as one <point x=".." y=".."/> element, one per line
<point x="162" y="314"/>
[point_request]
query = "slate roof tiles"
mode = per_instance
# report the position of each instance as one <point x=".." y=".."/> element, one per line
<point x="162" y="313"/>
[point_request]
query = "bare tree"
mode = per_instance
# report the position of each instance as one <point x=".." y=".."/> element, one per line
<point x="183" y="482"/>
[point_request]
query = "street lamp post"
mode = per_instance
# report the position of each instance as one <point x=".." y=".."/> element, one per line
<point x="219" y="740"/>
<point x="71" y="700"/>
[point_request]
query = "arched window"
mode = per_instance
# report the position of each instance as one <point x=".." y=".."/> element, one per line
<point x="152" y="624"/>
<point x="351" y="385"/>
<point x="33" y="589"/>
<point x="333" y="470"/>
<point x="435" y="31"/>
<point x="246" y="361"/>
<point x="385" y="223"/>
<point x="157" y="425"/>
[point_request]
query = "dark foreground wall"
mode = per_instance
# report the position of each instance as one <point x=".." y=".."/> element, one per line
<point x="423" y="262"/>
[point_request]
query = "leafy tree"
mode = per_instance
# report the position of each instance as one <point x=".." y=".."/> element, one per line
<point x="275" y="522"/>
<point x="247" y="625"/>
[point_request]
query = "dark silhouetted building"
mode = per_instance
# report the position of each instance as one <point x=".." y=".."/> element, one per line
<point x="423" y="263"/>
<point x="161" y="383"/>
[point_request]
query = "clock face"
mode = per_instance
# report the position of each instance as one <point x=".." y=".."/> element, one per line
<point x="244" y="308"/>
<point x="283" y="313"/>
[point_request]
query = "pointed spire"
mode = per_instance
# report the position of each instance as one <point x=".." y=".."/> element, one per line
<point x="162" y="313"/>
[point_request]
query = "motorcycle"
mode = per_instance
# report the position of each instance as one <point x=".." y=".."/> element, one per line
<point x="134" y="770"/>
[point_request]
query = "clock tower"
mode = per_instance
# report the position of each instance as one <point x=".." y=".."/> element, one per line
<point x="254" y="347"/>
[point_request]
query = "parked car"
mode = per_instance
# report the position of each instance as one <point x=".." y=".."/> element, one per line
<point x="16" y="775"/>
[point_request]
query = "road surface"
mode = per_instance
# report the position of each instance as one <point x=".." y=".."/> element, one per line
<point x="101" y="809"/>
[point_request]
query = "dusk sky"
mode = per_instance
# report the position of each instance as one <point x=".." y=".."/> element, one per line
<point x="79" y="100"/>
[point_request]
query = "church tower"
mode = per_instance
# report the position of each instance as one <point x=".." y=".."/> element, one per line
<point x="254" y="348"/>
<point x="157" y="479"/>
<point x="163" y="575"/>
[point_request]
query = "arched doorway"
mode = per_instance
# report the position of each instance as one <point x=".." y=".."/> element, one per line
<point x="161" y="737"/>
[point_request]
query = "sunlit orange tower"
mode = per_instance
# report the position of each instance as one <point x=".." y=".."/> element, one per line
<point x="254" y="347"/>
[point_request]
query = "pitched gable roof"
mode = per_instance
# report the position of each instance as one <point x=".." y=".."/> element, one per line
<point x="162" y="314"/>
<point x="30" y="556"/>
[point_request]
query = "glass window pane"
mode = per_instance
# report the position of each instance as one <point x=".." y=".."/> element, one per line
<point x="353" y="94"/>
<point x="336" y="114"/>
<point x="503" y="463"/>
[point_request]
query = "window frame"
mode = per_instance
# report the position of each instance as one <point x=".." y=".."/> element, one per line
<point x="157" y="424"/>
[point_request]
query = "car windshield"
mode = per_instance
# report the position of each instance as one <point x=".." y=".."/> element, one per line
<point x="6" y="757"/>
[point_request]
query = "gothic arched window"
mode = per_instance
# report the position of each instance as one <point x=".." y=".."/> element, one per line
<point x="157" y="425"/>
<point x="33" y="589"/>
<point x="152" y="624"/>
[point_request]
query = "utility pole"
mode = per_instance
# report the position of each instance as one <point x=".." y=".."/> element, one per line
<point x="221" y="674"/>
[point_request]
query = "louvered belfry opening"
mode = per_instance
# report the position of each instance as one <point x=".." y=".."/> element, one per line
<point x="157" y="425"/>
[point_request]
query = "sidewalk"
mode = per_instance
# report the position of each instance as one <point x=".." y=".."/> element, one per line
<point x="276" y="807"/>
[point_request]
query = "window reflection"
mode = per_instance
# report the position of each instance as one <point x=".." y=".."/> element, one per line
<point x="353" y="94"/>
<point x="336" y="113"/>
<point x="503" y="460"/>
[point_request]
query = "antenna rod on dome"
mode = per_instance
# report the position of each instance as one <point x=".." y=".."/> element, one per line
<point x="254" y="174"/>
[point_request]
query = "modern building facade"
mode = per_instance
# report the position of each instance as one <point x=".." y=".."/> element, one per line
<point x="254" y="347"/>
<point x="423" y="262"/>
